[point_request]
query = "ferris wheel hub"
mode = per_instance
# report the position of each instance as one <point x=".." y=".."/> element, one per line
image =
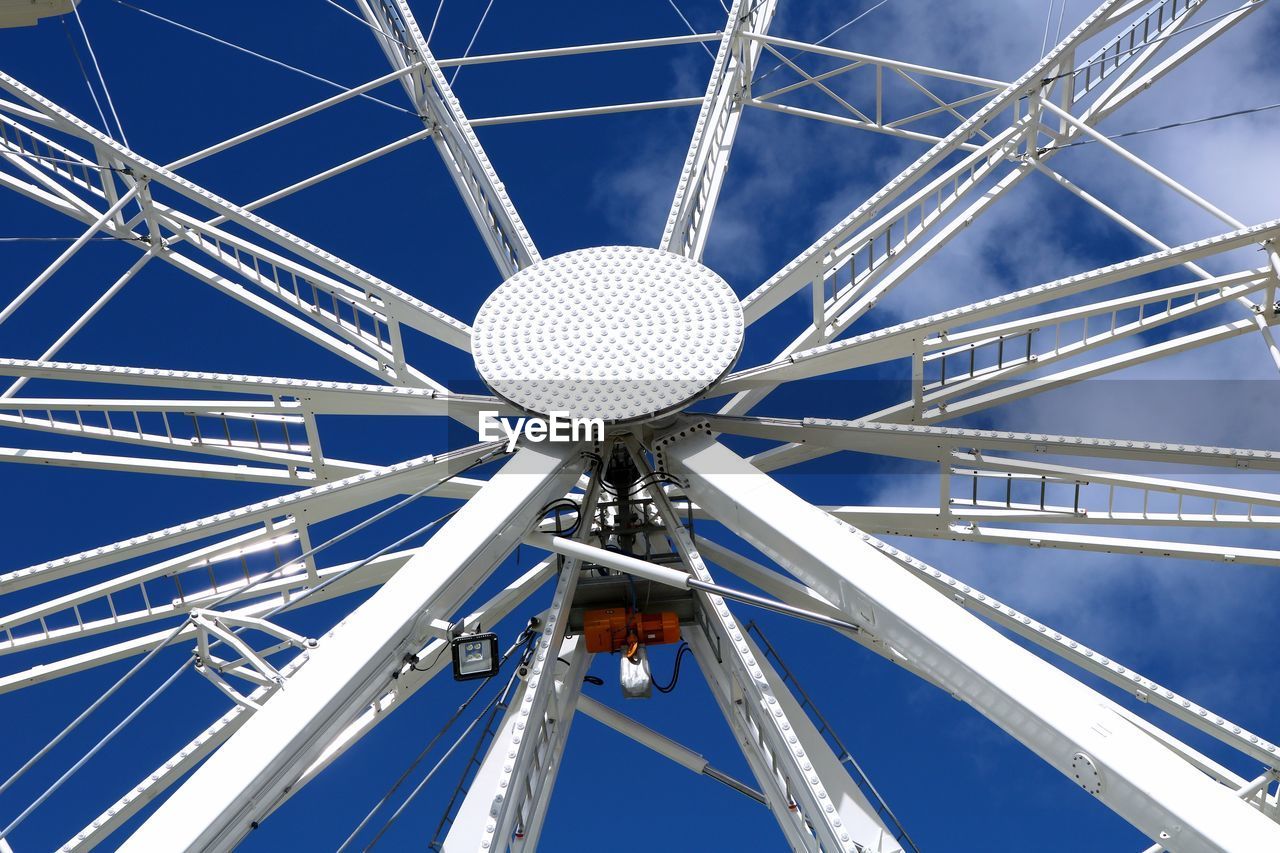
<point x="620" y="333"/>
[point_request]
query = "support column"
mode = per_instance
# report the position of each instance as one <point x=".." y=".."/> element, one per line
<point x="241" y="782"/>
<point x="1075" y="729"/>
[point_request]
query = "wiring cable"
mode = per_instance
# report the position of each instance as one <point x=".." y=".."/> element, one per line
<point x="344" y="10"/>
<point x="1187" y="123"/>
<point x="493" y="703"/>
<point x="95" y="749"/>
<point x="522" y="640"/>
<point x="675" y="671"/>
<point x="499" y="700"/>
<point x="434" y="21"/>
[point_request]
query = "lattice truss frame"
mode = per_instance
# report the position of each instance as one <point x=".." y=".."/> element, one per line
<point x="298" y="703"/>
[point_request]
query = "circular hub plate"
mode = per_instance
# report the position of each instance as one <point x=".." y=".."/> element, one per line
<point x="620" y="333"/>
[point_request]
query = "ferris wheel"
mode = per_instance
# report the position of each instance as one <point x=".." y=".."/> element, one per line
<point x="620" y="395"/>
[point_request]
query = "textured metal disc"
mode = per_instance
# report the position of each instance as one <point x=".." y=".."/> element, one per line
<point x="620" y="333"/>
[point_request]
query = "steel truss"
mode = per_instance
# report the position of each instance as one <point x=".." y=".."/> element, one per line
<point x="296" y="704"/>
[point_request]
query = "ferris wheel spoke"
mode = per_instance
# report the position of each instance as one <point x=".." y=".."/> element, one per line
<point x="1006" y="393"/>
<point x="318" y="503"/>
<point x="143" y="465"/>
<point x="1053" y="641"/>
<point x="483" y="193"/>
<point x="240" y="782"/>
<point x="877" y="114"/>
<point x="925" y="523"/>
<point x="860" y="260"/>
<point x="1056" y="716"/>
<point x="252" y="430"/>
<point x="794" y="766"/>
<point x="936" y="443"/>
<point x="932" y="334"/>
<point x="398" y="688"/>
<point x="707" y="160"/>
<point x="1091" y="660"/>
<point x="294" y="271"/>
<point x="318" y="397"/>
<point x="267" y="595"/>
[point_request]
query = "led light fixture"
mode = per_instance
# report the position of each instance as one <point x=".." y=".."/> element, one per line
<point x="475" y="656"/>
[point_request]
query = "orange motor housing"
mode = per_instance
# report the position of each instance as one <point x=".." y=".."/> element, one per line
<point x="616" y="629"/>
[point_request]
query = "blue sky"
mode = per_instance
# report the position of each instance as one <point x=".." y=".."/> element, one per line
<point x="956" y="781"/>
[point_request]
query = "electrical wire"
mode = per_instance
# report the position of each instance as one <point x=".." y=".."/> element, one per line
<point x="1057" y="33"/>
<point x="499" y="700"/>
<point x="522" y="640"/>
<point x="493" y="703"/>
<point x="675" y="671"/>
<point x="1175" y="124"/>
<point x="75" y="8"/>
<point x="263" y="57"/>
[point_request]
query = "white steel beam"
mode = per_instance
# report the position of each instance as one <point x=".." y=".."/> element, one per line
<point x="707" y="160"/>
<point x="379" y="571"/>
<point x="406" y="308"/>
<point x="318" y="396"/>
<point x="1070" y="650"/>
<point x="661" y="744"/>
<point x="580" y="112"/>
<point x="1157" y="695"/>
<point x="816" y="787"/>
<point x="317" y="503"/>
<point x="144" y="465"/>
<point x="504" y="810"/>
<point x="1069" y="725"/>
<point x="576" y="50"/>
<point x="851" y="260"/>
<point x="483" y="193"/>
<point x="240" y="783"/>
<point x="399" y="687"/>
<point x="506" y="804"/>
<point x="290" y="118"/>
<point x="936" y="443"/>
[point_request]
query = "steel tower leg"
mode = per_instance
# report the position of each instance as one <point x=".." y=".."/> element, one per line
<point x="507" y="802"/>
<point x="1075" y="729"/>
<point x="241" y="782"/>
<point x="816" y="802"/>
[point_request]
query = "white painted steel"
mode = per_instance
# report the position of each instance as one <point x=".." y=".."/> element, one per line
<point x="1052" y="714"/>
<point x="618" y="333"/>
<point x="243" y="780"/>
<point x="632" y="335"/>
